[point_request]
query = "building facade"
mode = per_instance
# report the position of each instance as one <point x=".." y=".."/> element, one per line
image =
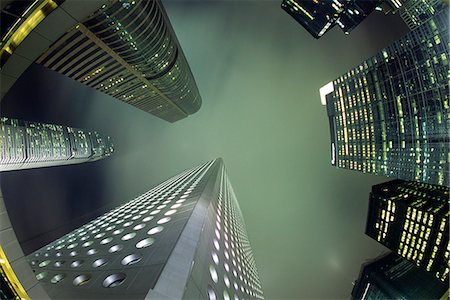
<point x="183" y="239"/>
<point x="417" y="12"/>
<point x="411" y="219"/>
<point x="27" y="145"/>
<point x="318" y="17"/>
<point x="389" y="115"/>
<point x="392" y="277"/>
<point x="128" y="50"/>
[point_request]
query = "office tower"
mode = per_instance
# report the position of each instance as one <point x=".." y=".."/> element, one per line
<point x="185" y="238"/>
<point x="27" y="145"/>
<point x="391" y="277"/>
<point x="317" y="17"/>
<point x="417" y="12"/>
<point x="128" y="50"/>
<point x="389" y="115"/>
<point x="411" y="219"/>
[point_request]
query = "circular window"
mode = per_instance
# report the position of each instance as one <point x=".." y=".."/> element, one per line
<point x="139" y="226"/>
<point x="155" y="212"/>
<point x="155" y="230"/>
<point x="226" y="280"/>
<point x="114" y="280"/>
<point x="211" y="293"/>
<point x="99" y="262"/>
<point x="213" y="273"/>
<point x="59" y="263"/>
<point x="57" y="278"/>
<point x="91" y="251"/>
<point x="131" y="259"/>
<point x="76" y="263"/>
<point x="44" y="263"/>
<point x="215" y="258"/>
<point x="118" y="231"/>
<point x="225" y="295"/>
<point x="115" y="248"/>
<point x="71" y="246"/>
<point x="41" y="275"/>
<point x="127" y="224"/>
<point x="145" y="243"/>
<point x="97" y="236"/>
<point x="81" y="279"/>
<point x="146" y="219"/>
<point x="216" y="245"/>
<point x="87" y="244"/>
<point x="170" y="212"/>
<point x="106" y="241"/>
<point x="73" y="253"/>
<point x="164" y="220"/>
<point x="128" y="236"/>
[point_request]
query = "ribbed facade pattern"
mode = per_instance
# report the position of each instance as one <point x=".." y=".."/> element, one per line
<point x="128" y="50"/>
<point x="26" y="145"/>
<point x="389" y="116"/>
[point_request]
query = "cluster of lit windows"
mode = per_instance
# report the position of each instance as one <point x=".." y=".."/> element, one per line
<point x="30" y="144"/>
<point x="386" y="216"/>
<point x="389" y="112"/>
<point x="422" y="213"/>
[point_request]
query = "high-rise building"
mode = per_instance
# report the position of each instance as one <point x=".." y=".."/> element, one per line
<point x="389" y="115"/>
<point x="392" y="277"/>
<point x="411" y="219"/>
<point x="27" y="145"/>
<point x="183" y="239"/>
<point x="319" y="16"/>
<point x="417" y="12"/>
<point x="128" y="50"/>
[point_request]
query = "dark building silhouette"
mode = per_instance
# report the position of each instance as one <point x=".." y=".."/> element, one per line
<point x="319" y="16"/>
<point x="389" y="115"/>
<point x="411" y="219"/>
<point x="27" y="145"/>
<point x="392" y="277"/>
<point x="183" y="239"/>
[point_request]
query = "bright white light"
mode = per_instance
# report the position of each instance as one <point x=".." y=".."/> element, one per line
<point x="333" y="154"/>
<point x="324" y="91"/>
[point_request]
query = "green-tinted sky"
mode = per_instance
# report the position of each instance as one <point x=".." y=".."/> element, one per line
<point x="258" y="72"/>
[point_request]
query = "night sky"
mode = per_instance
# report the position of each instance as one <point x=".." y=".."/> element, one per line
<point x="258" y="72"/>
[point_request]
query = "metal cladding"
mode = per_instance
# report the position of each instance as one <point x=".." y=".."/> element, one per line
<point x="129" y="51"/>
<point x="411" y="219"/>
<point x="183" y="239"/>
<point x="26" y="145"/>
<point x="389" y="115"/>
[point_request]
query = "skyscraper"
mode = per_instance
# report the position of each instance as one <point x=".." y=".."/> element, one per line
<point x="319" y="16"/>
<point x="26" y="145"/>
<point x="391" y="277"/>
<point x="389" y="115"/>
<point x="411" y="219"/>
<point x="185" y="238"/>
<point x="417" y="12"/>
<point x="128" y="50"/>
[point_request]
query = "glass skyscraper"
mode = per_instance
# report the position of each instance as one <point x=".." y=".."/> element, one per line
<point x="319" y="16"/>
<point x="389" y="115"/>
<point x="392" y="277"/>
<point x="411" y="219"/>
<point x="26" y="145"/>
<point x="128" y="50"/>
<point x="183" y="239"/>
